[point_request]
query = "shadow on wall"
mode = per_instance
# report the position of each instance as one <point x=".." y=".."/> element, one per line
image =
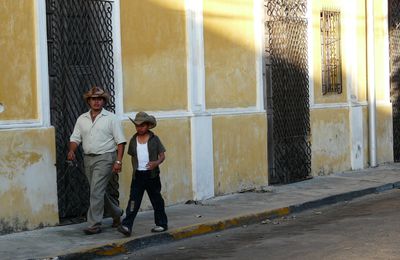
<point x="155" y="55"/>
<point x="230" y="74"/>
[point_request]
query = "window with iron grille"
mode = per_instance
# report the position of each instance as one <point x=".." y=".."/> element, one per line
<point x="330" y="52"/>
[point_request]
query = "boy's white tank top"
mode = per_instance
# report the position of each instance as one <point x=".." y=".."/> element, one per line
<point x="143" y="156"/>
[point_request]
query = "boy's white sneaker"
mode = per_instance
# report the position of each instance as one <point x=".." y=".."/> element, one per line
<point x="158" y="229"/>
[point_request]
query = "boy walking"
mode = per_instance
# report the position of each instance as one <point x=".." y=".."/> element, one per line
<point x="147" y="153"/>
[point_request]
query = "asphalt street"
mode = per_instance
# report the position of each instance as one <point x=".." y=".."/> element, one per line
<point x="364" y="228"/>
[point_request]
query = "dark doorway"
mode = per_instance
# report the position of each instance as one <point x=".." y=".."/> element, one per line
<point x="80" y="48"/>
<point x="394" y="43"/>
<point x="287" y="91"/>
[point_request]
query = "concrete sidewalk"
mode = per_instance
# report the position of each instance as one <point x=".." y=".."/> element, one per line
<point x="186" y="220"/>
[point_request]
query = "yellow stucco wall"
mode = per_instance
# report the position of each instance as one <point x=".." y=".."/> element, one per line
<point x="240" y="152"/>
<point x="229" y="53"/>
<point x="17" y="60"/>
<point x="176" y="177"/>
<point x="153" y="35"/>
<point x="330" y="141"/>
<point x="384" y="133"/>
<point x="384" y="117"/>
<point x="361" y="51"/>
<point x="381" y="46"/>
<point x="28" y="179"/>
<point x="331" y="155"/>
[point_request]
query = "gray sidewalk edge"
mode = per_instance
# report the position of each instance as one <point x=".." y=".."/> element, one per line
<point x="128" y="245"/>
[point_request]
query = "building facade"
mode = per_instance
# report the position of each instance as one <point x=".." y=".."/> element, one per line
<point x="247" y="93"/>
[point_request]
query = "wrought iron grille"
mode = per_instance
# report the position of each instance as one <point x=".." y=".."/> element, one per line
<point x="394" y="45"/>
<point x="289" y="149"/>
<point x="80" y="50"/>
<point x="330" y="52"/>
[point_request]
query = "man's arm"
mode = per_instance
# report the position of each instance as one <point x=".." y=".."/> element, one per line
<point x="120" y="154"/>
<point x="74" y="141"/>
<point x="71" y="153"/>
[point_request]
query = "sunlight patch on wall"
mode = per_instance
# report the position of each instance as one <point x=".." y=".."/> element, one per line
<point x="232" y="20"/>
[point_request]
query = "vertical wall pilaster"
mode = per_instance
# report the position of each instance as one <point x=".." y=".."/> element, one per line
<point x="118" y="78"/>
<point x="355" y="108"/>
<point x="201" y="121"/>
<point x="42" y="64"/>
<point x="202" y="157"/>
<point x="356" y="137"/>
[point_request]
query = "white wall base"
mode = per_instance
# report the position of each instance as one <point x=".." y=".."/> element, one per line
<point x="202" y="157"/>
<point x="356" y="138"/>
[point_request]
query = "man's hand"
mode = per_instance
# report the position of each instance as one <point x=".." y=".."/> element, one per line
<point x="71" y="152"/>
<point x="117" y="167"/>
<point x="71" y="156"/>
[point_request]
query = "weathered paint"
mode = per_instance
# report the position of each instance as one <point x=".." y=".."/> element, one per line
<point x="176" y="170"/>
<point x="154" y="59"/>
<point x="229" y="54"/>
<point x="109" y="250"/>
<point x="330" y="141"/>
<point x="153" y="39"/>
<point x="222" y="224"/>
<point x="28" y="179"/>
<point x="331" y="136"/>
<point x="240" y="157"/>
<point x="17" y="60"/>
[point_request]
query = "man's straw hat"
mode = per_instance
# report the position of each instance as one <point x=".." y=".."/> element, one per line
<point x="96" y="92"/>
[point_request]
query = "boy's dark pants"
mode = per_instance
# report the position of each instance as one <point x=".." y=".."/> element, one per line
<point x="152" y="186"/>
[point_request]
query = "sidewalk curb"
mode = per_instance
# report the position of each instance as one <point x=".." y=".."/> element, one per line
<point x="126" y="245"/>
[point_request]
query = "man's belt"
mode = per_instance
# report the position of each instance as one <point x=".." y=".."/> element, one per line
<point x="91" y="154"/>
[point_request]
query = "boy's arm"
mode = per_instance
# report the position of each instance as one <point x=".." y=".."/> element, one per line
<point x="153" y="164"/>
<point x="161" y="158"/>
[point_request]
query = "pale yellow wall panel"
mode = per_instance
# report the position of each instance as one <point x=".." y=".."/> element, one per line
<point x="240" y="152"/>
<point x="317" y="7"/>
<point x="359" y="47"/>
<point x="17" y="60"/>
<point x="153" y="35"/>
<point x="28" y="179"/>
<point x="382" y="88"/>
<point x="176" y="170"/>
<point x="229" y="49"/>
<point x="330" y="141"/>
<point x="384" y="133"/>
<point x="361" y="51"/>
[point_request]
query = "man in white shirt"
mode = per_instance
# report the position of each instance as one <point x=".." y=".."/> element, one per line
<point x="103" y="142"/>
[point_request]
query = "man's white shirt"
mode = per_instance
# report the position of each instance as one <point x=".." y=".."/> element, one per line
<point x="100" y="136"/>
